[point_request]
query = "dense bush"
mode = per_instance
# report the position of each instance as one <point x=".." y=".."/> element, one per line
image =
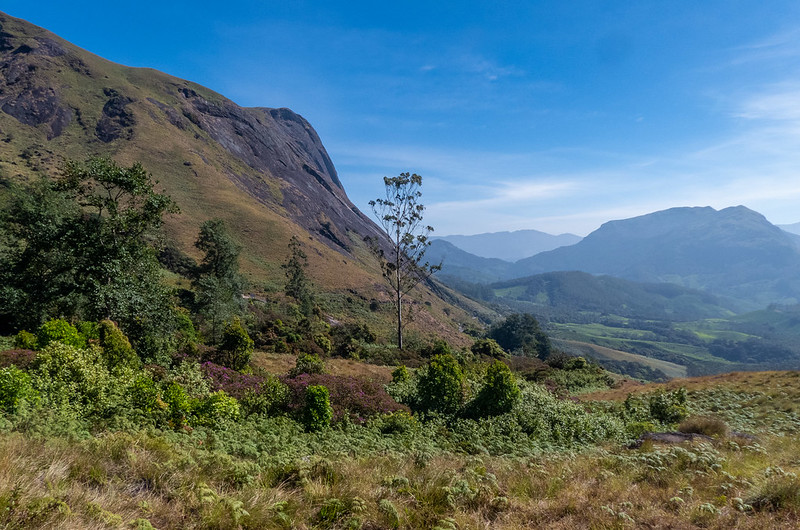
<point x="59" y="330"/>
<point x="499" y="393"/>
<point x="218" y="407"/>
<point x="269" y="399"/>
<point x="349" y="396"/>
<point x="668" y="407"/>
<point x="235" y="384"/>
<point x="117" y="350"/>
<point x="73" y="377"/>
<point x="440" y="386"/>
<point x="438" y="347"/>
<point x="15" y="387"/>
<point x="316" y="413"/>
<point x="25" y="340"/>
<point x="236" y="346"/>
<point x="307" y="363"/>
<point x="19" y="358"/>
<point x="521" y="334"/>
<point x="488" y="348"/>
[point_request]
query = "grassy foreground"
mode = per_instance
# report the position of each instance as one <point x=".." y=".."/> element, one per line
<point x="347" y="477"/>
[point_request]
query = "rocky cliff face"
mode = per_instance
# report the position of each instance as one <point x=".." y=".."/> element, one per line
<point x="58" y="100"/>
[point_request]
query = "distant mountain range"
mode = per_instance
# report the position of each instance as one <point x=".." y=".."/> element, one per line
<point x="563" y="294"/>
<point x="510" y="246"/>
<point x="793" y="228"/>
<point x="734" y="252"/>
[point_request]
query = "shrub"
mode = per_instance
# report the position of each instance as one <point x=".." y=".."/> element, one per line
<point x="25" y="340"/>
<point x="59" y="330"/>
<point x="19" y="358"/>
<point x="216" y="408"/>
<point x="440" y="385"/>
<point x="88" y="330"/>
<point x="117" y="350"/>
<point x="180" y="404"/>
<point x="708" y="425"/>
<point x="72" y="376"/>
<point x="396" y="423"/>
<point x="317" y="412"/>
<point x="349" y="396"/>
<point x="233" y="383"/>
<point x="781" y="492"/>
<point x="668" y="407"/>
<point x="191" y="376"/>
<point x="324" y="343"/>
<point x="488" y="348"/>
<point x="307" y="364"/>
<point x="236" y="347"/>
<point x="499" y="393"/>
<point x="143" y="395"/>
<point x="271" y="397"/>
<point x="439" y="347"/>
<point x="400" y="374"/>
<point x="15" y="387"/>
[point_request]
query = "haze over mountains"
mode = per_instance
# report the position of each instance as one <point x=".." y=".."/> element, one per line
<point x="734" y="252"/>
<point x="510" y="246"/>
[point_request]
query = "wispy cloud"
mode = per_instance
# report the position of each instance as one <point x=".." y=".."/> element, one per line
<point x="782" y="45"/>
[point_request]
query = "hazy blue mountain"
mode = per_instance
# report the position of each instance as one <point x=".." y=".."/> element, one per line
<point x="567" y="293"/>
<point x="793" y="228"/>
<point x="733" y="252"/>
<point x="465" y="266"/>
<point x="510" y="246"/>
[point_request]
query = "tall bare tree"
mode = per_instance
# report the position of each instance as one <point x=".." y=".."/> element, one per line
<point x="400" y="216"/>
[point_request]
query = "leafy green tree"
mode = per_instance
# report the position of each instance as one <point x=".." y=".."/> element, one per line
<point x="218" y="283"/>
<point x="400" y="215"/>
<point x="521" y="334"/>
<point x="236" y="346"/>
<point x="83" y="247"/>
<point x="298" y="285"/>
<point x="499" y="392"/>
<point x="441" y="385"/>
<point x="39" y="229"/>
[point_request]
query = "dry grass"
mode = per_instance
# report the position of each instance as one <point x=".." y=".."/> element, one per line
<point x="116" y="480"/>
<point x="280" y="364"/>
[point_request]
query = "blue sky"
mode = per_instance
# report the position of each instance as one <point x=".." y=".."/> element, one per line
<point x="556" y="116"/>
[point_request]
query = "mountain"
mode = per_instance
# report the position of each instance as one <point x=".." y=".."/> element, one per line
<point x="734" y="252"/>
<point x="460" y="264"/>
<point x="510" y="246"/>
<point x="568" y="293"/>
<point x="793" y="228"/>
<point x="264" y="171"/>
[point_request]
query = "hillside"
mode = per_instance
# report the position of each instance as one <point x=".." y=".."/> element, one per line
<point x="734" y="252"/>
<point x="264" y="171"/>
<point x="562" y="293"/>
<point x="462" y="265"/>
<point x="510" y="246"/>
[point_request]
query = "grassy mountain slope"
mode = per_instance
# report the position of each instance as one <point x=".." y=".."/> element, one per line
<point x="264" y="171"/>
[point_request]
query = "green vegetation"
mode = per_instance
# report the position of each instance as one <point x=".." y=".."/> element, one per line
<point x="132" y="412"/>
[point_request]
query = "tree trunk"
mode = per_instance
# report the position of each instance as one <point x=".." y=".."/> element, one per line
<point x="399" y="315"/>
